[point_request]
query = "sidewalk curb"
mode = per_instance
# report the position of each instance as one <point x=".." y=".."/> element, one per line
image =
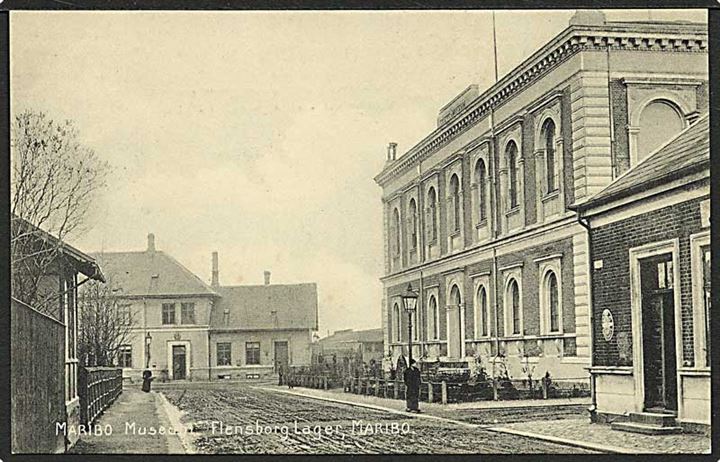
<point x="172" y="416"/>
<point x="566" y="442"/>
<point x="376" y="407"/>
<point x="492" y="427"/>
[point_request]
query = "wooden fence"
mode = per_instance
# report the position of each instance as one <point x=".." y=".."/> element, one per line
<point x="37" y="380"/>
<point x="98" y="387"/>
<point x="444" y="391"/>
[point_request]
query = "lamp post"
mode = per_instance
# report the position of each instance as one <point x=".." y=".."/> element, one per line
<point x="409" y="299"/>
<point x="148" y="339"/>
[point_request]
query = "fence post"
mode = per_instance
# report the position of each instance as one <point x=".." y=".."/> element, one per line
<point x="396" y="389"/>
<point x="430" y="392"/>
<point x="377" y="386"/>
<point x="82" y="393"/>
<point x="325" y="383"/>
<point x="545" y="388"/>
<point x="443" y="392"/>
<point x="495" y="390"/>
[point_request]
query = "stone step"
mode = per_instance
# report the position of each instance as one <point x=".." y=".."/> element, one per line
<point x="645" y="429"/>
<point x="653" y="418"/>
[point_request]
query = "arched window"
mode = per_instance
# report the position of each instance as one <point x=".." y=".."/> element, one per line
<point x="396" y="231"/>
<point x="659" y="121"/>
<point x="511" y="156"/>
<point x="432" y="318"/>
<point x="432" y="215"/>
<point x="413" y="224"/>
<point x="455" y="201"/>
<point x="413" y="315"/>
<point x="552" y="297"/>
<point x="481" y="178"/>
<point x="512" y="304"/>
<point x="396" y="323"/>
<point x="548" y="132"/>
<point x="455" y="298"/>
<point x="482" y="316"/>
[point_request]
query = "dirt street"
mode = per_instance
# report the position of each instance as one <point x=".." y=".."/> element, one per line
<point x="237" y="418"/>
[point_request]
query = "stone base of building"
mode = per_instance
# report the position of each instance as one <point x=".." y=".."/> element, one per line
<point x="607" y="418"/>
<point x="242" y="372"/>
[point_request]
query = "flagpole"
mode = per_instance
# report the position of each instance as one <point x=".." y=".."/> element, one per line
<point x="495" y="208"/>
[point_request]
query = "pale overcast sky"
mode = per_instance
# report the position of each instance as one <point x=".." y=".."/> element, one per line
<point x="258" y="134"/>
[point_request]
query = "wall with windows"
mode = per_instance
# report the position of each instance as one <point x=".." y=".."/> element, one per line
<point x="544" y="278"/>
<point x="172" y="320"/>
<point x="237" y="354"/>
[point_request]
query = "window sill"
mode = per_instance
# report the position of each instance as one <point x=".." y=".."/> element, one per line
<point x="551" y="195"/>
<point x="512" y="211"/>
<point x="481" y="224"/>
<point x="694" y="371"/>
<point x="455" y="233"/>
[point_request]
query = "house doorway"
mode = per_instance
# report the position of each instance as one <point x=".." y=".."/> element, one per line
<point x="179" y="362"/>
<point x="281" y="355"/>
<point x="658" y="333"/>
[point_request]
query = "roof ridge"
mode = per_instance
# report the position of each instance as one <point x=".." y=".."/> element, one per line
<point x="239" y="286"/>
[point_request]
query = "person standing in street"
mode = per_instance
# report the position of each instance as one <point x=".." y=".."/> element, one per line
<point x="412" y="380"/>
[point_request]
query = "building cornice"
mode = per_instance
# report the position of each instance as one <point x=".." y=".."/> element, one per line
<point x="648" y="37"/>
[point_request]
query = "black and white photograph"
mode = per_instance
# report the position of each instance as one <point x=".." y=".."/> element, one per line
<point x="428" y="231"/>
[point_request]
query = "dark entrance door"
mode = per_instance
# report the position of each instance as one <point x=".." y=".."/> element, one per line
<point x="658" y="331"/>
<point x="281" y="355"/>
<point x="179" y="362"/>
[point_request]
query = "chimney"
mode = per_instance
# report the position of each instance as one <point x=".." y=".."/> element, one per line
<point x="215" y="272"/>
<point x="267" y="278"/>
<point x="587" y="18"/>
<point x="392" y="151"/>
<point x="151" y="243"/>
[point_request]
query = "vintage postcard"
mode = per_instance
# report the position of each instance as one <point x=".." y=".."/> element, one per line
<point x="346" y="232"/>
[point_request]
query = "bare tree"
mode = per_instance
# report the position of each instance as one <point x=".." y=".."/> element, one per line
<point x="106" y="324"/>
<point x="54" y="182"/>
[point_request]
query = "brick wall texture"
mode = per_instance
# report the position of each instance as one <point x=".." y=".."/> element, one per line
<point x="611" y="284"/>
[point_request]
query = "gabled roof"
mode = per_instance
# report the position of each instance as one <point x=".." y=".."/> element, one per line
<point x="82" y="262"/>
<point x="688" y="152"/>
<point x="272" y="306"/>
<point x="150" y="273"/>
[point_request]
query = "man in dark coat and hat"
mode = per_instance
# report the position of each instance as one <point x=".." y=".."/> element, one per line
<point x="412" y="387"/>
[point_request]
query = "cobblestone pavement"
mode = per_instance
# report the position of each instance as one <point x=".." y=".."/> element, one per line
<point x="263" y="421"/>
<point x="583" y="430"/>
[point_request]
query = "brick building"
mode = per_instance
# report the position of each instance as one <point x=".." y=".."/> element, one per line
<point x="476" y="214"/>
<point x="187" y="329"/>
<point x="650" y="248"/>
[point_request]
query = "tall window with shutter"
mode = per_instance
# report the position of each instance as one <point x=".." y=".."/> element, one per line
<point x="511" y="152"/>
<point x="550" y="173"/>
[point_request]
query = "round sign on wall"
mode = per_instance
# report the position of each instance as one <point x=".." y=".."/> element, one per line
<point x="608" y="324"/>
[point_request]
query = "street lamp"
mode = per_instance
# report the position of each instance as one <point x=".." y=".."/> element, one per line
<point x="409" y="299"/>
<point x="148" y="339"/>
